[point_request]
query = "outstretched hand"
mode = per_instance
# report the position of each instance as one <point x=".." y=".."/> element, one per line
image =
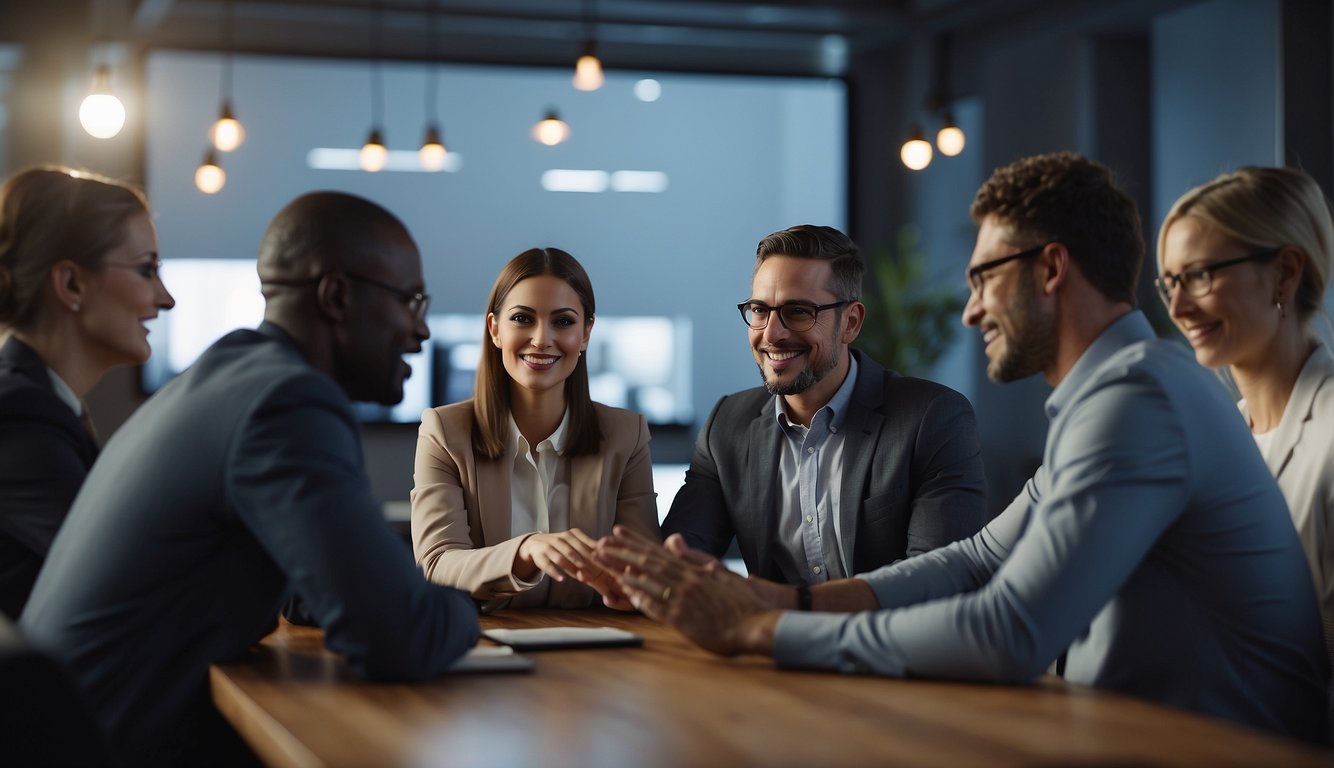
<point x="690" y="590"/>
<point x="570" y="554"/>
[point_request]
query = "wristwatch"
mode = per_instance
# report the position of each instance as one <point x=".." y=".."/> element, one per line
<point x="803" y="597"/>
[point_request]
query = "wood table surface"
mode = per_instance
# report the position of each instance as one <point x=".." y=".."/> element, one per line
<point x="671" y="704"/>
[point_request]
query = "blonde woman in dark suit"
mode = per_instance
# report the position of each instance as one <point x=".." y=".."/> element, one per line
<point x="78" y="280"/>
<point x="1244" y="261"/>
<point x="513" y="487"/>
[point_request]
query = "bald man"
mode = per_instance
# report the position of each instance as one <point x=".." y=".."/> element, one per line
<point x="241" y="481"/>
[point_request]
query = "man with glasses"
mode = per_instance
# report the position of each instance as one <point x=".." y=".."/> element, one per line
<point x="1152" y="542"/>
<point x="835" y="466"/>
<point x="241" y="480"/>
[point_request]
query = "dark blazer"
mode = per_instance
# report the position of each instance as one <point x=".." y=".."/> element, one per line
<point x="45" y="452"/>
<point x="912" y="475"/>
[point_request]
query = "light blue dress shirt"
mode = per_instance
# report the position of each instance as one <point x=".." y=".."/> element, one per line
<point x="1152" y="542"/>
<point x="810" y="476"/>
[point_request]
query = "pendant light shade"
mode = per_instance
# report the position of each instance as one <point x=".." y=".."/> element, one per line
<point x="551" y="130"/>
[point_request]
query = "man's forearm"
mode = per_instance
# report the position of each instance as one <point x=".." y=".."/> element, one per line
<point x="843" y="596"/>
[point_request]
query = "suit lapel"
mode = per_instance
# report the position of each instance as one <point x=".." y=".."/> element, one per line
<point x="585" y="484"/>
<point x="763" y="440"/>
<point x="494" y="510"/>
<point x="1317" y="372"/>
<point x="861" y="432"/>
<point x="28" y="364"/>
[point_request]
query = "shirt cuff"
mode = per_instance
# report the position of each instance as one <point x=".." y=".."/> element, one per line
<point x="808" y="640"/>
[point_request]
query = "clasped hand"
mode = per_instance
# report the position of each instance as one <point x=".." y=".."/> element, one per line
<point x="692" y="591"/>
<point x="569" y="554"/>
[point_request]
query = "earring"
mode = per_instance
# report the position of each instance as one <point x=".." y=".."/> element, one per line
<point x="1279" y="306"/>
<point x="74" y="307"/>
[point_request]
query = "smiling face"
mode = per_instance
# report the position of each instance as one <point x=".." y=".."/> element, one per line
<point x="813" y="362"/>
<point x="540" y="330"/>
<point x="1236" y="322"/>
<point x="382" y="327"/>
<point x="1018" y="331"/>
<point x="122" y="295"/>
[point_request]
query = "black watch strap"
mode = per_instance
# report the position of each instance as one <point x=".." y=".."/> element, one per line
<point x="803" y="598"/>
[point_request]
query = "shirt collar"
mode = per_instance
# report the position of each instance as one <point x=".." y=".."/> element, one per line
<point x="65" y="392"/>
<point x="837" y="405"/>
<point x="1130" y="328"/>
<point x="557" y="439"/>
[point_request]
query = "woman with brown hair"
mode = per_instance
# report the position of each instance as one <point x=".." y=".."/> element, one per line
<point x="78" y="281"/>
<point x="513" y="487"/>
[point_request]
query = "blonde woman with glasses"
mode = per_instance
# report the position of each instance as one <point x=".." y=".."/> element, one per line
<point x="1243" y="264"/>
<point x="78" y="282"/>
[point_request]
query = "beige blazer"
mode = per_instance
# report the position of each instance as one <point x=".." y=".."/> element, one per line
<point x="461" y="513"/>
<point x="1301" y="456"/>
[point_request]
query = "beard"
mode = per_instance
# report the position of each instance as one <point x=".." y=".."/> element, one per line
<point x="1030" y="342"/>
<point x="815" y="370"/>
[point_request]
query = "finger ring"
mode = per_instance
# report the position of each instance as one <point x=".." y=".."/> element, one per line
<point x="666" y="593"/>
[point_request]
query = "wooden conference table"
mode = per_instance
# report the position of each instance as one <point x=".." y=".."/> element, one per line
<point x="670" y="704"/>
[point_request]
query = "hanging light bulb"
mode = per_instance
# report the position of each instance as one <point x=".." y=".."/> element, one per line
<point x="209" y="176"/>
<point x="433" y="150"/>
<point x="588" y="69"/>
<point x="373" y="153"/>
<point x="916" y="151"/>
<point x="101" y="113"/>
<point x="551" y="130"/>
<point x="227" y="133"/>
<point x="950" y="139"/>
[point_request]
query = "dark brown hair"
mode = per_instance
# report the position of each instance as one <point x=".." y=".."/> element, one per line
<point x="808" y="241"/>
<point x="1065" y="198"/>
<point x="491" y="399"/>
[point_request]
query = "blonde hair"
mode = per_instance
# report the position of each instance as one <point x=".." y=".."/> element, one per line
<point x="50" y="213"/>
<point x="1267" y="209"/>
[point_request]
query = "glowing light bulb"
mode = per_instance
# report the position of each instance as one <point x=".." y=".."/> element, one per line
<point x="588" y="70"/>
<point x="950" y="139"/>
<point x="433" y="152"/>
<point x="916" y="152"/>
<point x="551" y="130"/>
<point x="227" y="133"/>
<point x="101" y="113"/>
<point x="373" y="154"/>
<point x="210" y="177"/>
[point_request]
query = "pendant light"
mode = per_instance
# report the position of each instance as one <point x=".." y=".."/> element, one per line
<point x="432" y="153"/>
<point x="950" y="139"/>
<point x="916" y="151"/>
<point x="588" y="69"/>
<point x="101" y="114"/>
<point x="551" y="130"/>
<point x="227" y="132"/>
<point x="209" y="176"/>
<point x="374" y="154"/>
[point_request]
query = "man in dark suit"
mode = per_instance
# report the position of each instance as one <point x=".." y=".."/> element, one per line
<point x="835" y="466"/>
<point x="241" y="480"/>
<point x="42" y="463"/>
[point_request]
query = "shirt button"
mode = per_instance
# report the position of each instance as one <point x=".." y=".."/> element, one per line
<point x="810" y="450"/>
<point x="816" y="569"/>
<point x="833" y="430"/>
<point x="810" y="519"/>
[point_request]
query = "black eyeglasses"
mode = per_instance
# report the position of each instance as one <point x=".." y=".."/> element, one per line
<point x="1199" y="282"/>
<point x="798" y="316"/>
<point x="977" y="276"/>
<point x="415" y="301"/>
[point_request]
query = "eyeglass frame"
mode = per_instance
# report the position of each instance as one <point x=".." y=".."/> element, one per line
<point x="421" y="300"/>
<point x="976" y="276"/>
<point x="1164" y="291"/>
<point x="815" y="310"/>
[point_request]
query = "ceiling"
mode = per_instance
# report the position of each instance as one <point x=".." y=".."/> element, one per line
<point x="744" y="36"/>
